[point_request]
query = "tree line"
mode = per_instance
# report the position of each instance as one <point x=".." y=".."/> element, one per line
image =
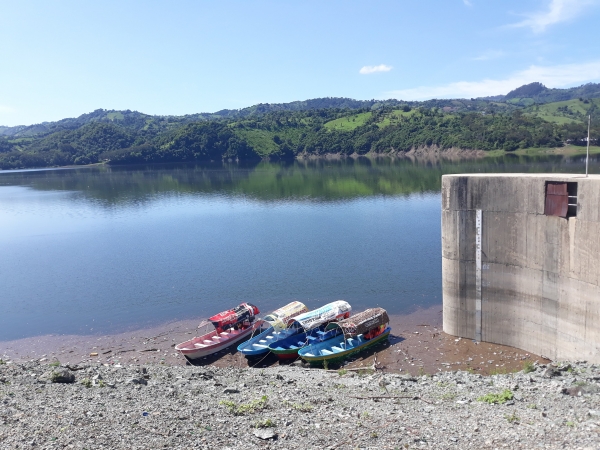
<point x="130" y="139"/>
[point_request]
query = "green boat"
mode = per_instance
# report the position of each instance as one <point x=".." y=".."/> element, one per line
<point x="357" y="334"/>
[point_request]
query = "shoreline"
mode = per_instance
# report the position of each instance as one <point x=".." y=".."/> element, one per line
<point x="417" y="346"/>
<point x="417" y="153"/>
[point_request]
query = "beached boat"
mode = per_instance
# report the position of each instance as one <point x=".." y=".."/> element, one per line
<point x="356" y="334"/>
<point x="310" y="327"/>
<point x="231" y="326"/>
<point x="277" y="323"/>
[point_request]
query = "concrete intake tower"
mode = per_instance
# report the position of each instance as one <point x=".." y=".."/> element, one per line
<point x="521" y="261"/>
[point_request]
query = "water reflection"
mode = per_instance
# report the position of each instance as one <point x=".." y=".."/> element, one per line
<point x="322" y="180"/>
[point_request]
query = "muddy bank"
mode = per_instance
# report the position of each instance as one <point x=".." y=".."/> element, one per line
<point x="417" y="346"/>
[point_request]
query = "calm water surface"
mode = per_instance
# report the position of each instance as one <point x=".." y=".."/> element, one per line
<point x="99" y="250"/>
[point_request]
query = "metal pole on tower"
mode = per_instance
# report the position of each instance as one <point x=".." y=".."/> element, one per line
<point x="587" y="155"/>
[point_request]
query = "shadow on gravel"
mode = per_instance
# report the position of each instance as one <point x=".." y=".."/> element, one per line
<point x="271" y="359"/>
<point x="210" y="359"/>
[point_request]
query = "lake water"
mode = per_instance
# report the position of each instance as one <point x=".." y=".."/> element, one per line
<point x="101" y="249"/>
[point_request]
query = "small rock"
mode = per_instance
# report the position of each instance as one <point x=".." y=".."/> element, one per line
<point x="136" y="381"/>
<point x="58" y="375"/>
<point x="230" y="390"/>
<point x="550" y="372"/>
<point x="264" y="434"/>
<point x="578" y="391"/>
<point x="565" y="368"/>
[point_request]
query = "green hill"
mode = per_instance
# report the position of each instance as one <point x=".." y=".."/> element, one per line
<point x="340" y="126"/>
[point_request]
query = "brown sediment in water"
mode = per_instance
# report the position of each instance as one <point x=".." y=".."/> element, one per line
<point x="417" y="345"/>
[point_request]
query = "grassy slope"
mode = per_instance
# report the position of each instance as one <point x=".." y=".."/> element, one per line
<point x="576" y="111"/>
<point x="348" y="123"/>
<point x="260" y="140"/>
<point x="394" y="116"/>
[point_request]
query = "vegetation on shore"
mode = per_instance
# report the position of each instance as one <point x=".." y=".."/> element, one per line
<point x="312" y="128"/>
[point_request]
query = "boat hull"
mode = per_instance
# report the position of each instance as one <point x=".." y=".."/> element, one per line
<point x="259" y="345"/>
<point x="338" y="348"/>
<point x="214" y="342"/>
<point x="287" y="349"/>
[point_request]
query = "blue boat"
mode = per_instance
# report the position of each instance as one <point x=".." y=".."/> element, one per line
<point x="277" y="322"/>
<point x="310" y="327"/>
<point x="288" y="348"/>
<point x="259" y="345"/>
<point x="355" y="334"/>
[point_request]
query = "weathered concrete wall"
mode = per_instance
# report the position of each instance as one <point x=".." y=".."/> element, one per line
<point x="540" y="274"/>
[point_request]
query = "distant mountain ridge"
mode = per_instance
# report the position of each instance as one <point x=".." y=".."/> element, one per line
<point x="536" y="92"/>
<point x="523" y="96"/>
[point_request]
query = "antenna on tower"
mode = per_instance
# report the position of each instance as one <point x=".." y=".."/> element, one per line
<point x="587" y="155"/>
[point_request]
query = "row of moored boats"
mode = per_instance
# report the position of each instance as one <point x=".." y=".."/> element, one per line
<point x="325" y="335"/>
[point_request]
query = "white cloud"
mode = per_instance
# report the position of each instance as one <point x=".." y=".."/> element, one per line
<point x="490" y="54"/>
<point x="467" y="2"/>
<point x="551" y="76"/>
<point x="558" y="11"/>
<point x="366" y="70"/>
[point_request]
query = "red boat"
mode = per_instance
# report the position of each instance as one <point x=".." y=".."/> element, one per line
<point x="231" y="326"/>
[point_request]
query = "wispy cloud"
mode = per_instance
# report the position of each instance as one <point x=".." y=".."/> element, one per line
<point x="490" y="54"/>
<point x="366" y="70"/>
<point x="552" y="76"/>
<point x="468" y="2"/>
<point x="557" y="11"/>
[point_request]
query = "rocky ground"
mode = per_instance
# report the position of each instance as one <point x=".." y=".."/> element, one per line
<point x="98" y="405"/>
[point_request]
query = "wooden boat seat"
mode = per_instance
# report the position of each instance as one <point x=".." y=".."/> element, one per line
<point x="293" y="346"/>
<point x="224" y="334"/>
<point x="216" y="338"/>
<point x="336" y="349"/>
<point x="260" y="346"/>
<point x="270" y="337"/>
<point x="206" y="341"/>
<point x="199" y="345"/>
<point x="324" y="351"/>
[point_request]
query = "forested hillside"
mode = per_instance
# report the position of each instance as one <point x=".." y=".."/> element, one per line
<point x="313" y="127"/>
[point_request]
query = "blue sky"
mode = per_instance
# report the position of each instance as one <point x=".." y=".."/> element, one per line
<point x="64" y="58"/>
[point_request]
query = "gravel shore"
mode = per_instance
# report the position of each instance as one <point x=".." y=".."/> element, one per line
<point x="289" y="407"/>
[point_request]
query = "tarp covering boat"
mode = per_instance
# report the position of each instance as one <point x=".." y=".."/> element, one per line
<point x="363" y="322"/>
<point x="337" y="310"/>
<point x="231" y="318"/>
<point x="280" y="318"/>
